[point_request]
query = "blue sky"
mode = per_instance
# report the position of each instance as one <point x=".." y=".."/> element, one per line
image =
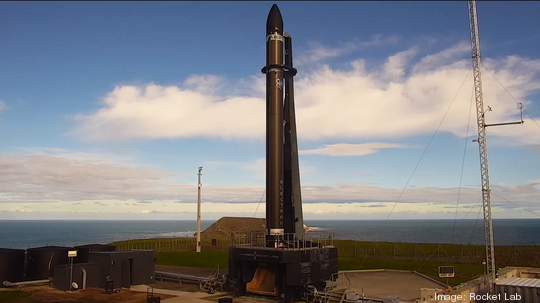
<point x="108" y="108"/>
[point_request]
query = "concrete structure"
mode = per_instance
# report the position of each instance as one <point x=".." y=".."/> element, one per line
<point x="383" y="283"/>
<point x="523" y="281"/>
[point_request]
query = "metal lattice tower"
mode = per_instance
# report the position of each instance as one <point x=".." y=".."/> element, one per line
<point x="482" y="144"/>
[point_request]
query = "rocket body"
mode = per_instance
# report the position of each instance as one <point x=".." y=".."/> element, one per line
<point x="274" y="122"/>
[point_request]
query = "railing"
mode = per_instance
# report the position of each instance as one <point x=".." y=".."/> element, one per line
<point x="286" y="241"/>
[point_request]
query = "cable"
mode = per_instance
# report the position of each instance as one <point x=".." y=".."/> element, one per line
<point x="462" y="165"/>
<point x="429" y="143"/>
<point x="428" y="258"/>
<point x="471" y="208"/>
<point x="517" y="205"/>
<point x="254" y="214"/>
<point x="510" y="95"/>
<point x="475" y="224"/>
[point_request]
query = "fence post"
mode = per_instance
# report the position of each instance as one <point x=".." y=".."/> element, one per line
<point x="394" y="251"/>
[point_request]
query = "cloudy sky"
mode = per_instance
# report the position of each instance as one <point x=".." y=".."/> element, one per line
<point x="108" y="108"/>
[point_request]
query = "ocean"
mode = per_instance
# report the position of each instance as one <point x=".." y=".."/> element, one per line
<point x="24" y="234"/>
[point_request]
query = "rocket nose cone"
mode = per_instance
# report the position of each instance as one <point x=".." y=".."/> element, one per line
<point x="274" y="23"/>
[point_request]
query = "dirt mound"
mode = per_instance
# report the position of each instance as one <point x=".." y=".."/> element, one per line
<point x="227" y="225"/>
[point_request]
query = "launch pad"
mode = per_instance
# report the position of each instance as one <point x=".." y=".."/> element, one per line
<point x="284" y="261"/>
<point x="284" y="272"/>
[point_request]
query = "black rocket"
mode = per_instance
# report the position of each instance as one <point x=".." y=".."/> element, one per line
<point x="286" y="262"/>
<point x="283" y="198"/>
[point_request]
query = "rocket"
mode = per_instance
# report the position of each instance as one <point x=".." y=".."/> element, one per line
<point x="283" y="199"/>
<point x="283" y="267"/>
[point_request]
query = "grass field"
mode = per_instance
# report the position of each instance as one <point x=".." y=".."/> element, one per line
<point x="412" y="252"/>
<point x="12" y="295"/>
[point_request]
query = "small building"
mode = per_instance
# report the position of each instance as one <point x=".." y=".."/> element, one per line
<point x="121" y="268"/>
<point x="125" y="268"/>
<point x="11" y="265"/>
<point x="84" y="274"/>
<point x="518" y="289"/>
<point x="43" y="260"/>
<point x="83" y="251"/>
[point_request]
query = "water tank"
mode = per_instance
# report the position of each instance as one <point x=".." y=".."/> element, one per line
<point x="83" y="251"/>
<point x="11" y="265"/>
<point x="42" y="260"/>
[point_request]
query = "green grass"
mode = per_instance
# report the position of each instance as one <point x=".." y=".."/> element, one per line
<point x="414" y="252"/>
<point x="12" y="295"/>
<point x="211" y="259"/>
<point x="409" y="252"/>
<point x="204" y="259"/>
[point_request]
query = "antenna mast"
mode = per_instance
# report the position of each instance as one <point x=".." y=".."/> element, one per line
<point x="482" y="144"/>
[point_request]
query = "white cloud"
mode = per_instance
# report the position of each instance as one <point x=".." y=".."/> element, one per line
<point x="445" y="57"/>
<point x="156" y="111"/>
<point x="318" y="52"/>
<point x="350" y="149"/>
<point x="383" y="103"/>
<point x="41" y="178"/>
<point x="37" y="178"/>
<point x="38" y="186"/>
<point x="205" y="84"/>
<point x="395" y="65"/>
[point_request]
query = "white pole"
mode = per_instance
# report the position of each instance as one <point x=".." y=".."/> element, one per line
<point x="199" y="185"/>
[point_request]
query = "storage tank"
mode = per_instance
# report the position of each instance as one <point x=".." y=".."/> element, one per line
<point x="83" y="251"/>
<point x="11" y="265"/>
<point x="42" y="260"/>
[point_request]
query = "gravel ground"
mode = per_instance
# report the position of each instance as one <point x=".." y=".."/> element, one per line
<point x="47" y="294"/>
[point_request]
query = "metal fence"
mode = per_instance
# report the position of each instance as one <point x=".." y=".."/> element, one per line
<point x="289" y="241"/>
